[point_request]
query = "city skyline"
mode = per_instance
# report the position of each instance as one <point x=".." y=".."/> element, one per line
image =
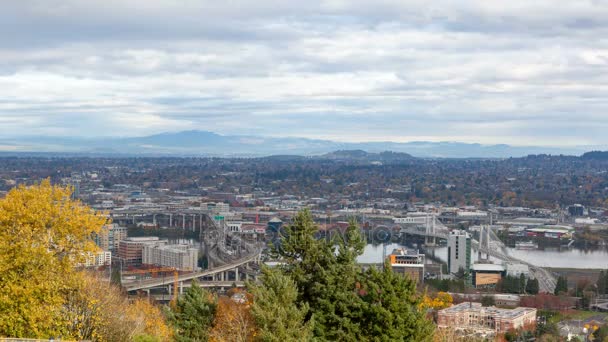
<point x="492" y="73"/>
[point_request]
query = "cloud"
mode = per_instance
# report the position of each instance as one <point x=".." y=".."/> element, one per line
<point x="519" y="72"/>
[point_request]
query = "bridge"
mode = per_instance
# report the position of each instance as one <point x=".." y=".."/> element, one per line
<point x="227" y="254"/>
<point x="431" y="228"/>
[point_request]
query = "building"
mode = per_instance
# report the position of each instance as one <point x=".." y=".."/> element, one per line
<point x="474" y="316"/>
<point x="130" y="250"/>
<point x="181" y="257"/>
<point x="109" y="236"/>
<point x="459" y="251"/>
<point x="551" y="231"/>
<point x="484" y="275"/>
<point x="576" y="210"/>
<point x="408" y="262"/>
<point x="101" y="258"/>
<point x="216" y="207"/>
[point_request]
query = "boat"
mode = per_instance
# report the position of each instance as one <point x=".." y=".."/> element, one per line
<point x="526" y="245"/>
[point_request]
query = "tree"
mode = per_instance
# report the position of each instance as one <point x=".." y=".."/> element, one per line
<point x="97" y="310"/>
<point x="561" y="286"/>
<point x="488" y="301"/>
<point x="522" y="283"/>
<point x="347" y="303"/>
<point x="277" y="315"/>
<point x="602" y="282"/>
<point x="441" y="301"/>
<point x="532" y="287"/>
<point x="233" y="321"/>
<point x="390" y="299"/>
<point x="193" y="314"/>
<point x="43" y="237"/>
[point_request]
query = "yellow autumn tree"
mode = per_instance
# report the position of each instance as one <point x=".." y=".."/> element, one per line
<point x="233" y="321"/>
<point x="441" y="300"/>
<point x="43" y="236"/>
<point x="96" y="310"/>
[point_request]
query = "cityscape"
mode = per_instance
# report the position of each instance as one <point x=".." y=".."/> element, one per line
<point x="326" y="170"/>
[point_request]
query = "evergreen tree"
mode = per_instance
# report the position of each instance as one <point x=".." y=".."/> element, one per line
<point x="388" y="313"/>
<point x="561" y="286"/>
<point x="522" y="283"/>
<point x="347" y="303"/>
<point x="277" y="315"/>
<point x="488" y="301"/>
<point x="601" y="282"/>
<point x="532" y="287"/>
<point x="193" y="314"/>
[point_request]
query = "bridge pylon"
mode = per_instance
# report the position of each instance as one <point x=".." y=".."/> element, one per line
<point x="431" y="229"/>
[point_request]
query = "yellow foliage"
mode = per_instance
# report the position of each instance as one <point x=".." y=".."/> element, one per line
<point x="233" y="321"/>
<point x="149" y="319"/>
<point x="43" y="235"/>
<point x="441" y="301"/>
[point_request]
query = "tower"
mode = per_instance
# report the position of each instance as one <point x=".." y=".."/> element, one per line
<point x="459" y="251"/>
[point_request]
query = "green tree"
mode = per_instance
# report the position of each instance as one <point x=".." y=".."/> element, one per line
<point x="488" y="301"/>
<point x="347" y="303"/>
<point x="561" y="285"/>
<point x="532" y="287"/>
<point x="277" y="315"/>
<point x="193" y="314"/>
<point x="602" y="282"/>
<point x="522" y="283"/>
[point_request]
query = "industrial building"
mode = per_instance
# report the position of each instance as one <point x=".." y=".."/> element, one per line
<point x="459" y="251"/>
<point x="408" y="262"/>
<point x="474" y="316"/>
<point x="486" y="274"/>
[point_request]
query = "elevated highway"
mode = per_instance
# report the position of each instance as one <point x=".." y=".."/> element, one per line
<point x="166" y="281"/>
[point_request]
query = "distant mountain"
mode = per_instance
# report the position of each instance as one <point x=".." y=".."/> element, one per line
<point x="595" y="155"/>
<point x="363" y="156"/>
<point x="204" y="143"/>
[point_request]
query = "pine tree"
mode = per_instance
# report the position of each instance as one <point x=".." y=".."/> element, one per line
<point x="561" y="286"/>
<point x="522" y="283"/>
<point x="532" y="287"/>
<point x="193" y="314"/>
<point x="346" y="303"/>
<point x="277" y="315"/>
<point x="601" y="282"/>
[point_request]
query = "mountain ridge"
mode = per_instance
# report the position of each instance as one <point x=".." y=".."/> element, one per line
<point x="206" y="143"/>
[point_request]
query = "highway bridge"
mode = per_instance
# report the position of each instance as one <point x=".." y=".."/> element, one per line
<point x="226" y="252"/>
<point x="430" y="227"/>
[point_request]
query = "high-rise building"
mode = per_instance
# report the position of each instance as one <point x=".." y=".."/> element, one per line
<point x="459" y="251"/>
<point x="109" y="237"/>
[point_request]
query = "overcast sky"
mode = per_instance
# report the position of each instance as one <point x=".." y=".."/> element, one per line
<point x="519" y="72"/>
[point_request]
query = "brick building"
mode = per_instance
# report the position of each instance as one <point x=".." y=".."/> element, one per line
<point x="474" y="316"/>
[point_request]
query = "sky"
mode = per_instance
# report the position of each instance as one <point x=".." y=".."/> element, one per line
<point x="518" y="72"/>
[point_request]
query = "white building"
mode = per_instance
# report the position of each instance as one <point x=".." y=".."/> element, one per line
<point x="181" y="257"/>
<point x="459" y="251"/>
<point x="101" y="258"/>
<point x="216" y="207"/>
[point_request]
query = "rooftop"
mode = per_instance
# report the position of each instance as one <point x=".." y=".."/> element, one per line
<point x="490" y="310"/>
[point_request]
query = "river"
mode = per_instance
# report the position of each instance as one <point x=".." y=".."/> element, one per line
<point x="565" y="258"/>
